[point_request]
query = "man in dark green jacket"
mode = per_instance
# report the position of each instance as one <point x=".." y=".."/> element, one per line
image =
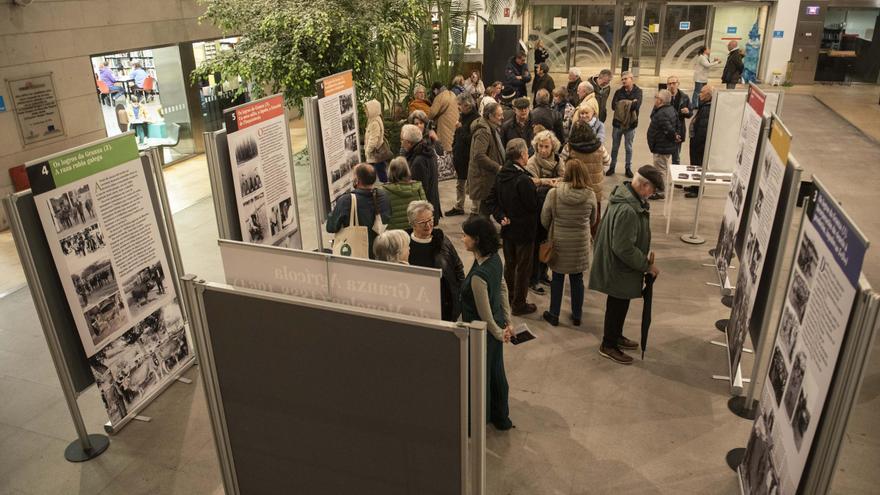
<point x="621" y="256"/>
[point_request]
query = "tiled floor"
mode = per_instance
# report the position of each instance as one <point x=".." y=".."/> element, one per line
<point x="584" y="425"/>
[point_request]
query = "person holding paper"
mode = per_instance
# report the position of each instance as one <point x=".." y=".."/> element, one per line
<point x="484" y="298"/>
<point x="701" y="73"/>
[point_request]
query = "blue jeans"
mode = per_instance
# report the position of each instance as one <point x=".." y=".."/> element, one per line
<point x="676" y="155"/>
<point x="695" y="100"/>
<point x="381" y="174"/>
<point x="140" y="130"/>
<point x="577" y="294"/>
<point x="628" y="136"/>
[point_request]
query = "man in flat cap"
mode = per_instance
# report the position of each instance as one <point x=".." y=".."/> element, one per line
<point x="520" y="126"/>
<point x="621" y="256"/>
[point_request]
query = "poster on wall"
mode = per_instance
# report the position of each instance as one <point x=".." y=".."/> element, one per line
<point x="337" y="108"/>
<point x="36" y="108"/>
<point x="750" y="135"/>
<point x="816" y="311"/>
<point x="771" y="172"/>
<point x="103" y="233"/>
<point x="259" y="154"/>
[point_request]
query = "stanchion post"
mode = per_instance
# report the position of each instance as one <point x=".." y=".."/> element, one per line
<point x="86" y="446"/>
<point x="693" y="238"/>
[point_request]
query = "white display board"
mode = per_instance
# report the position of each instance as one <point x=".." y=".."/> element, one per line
<point x="337" y="109"/>
<point x="402" y="289"/>
<point x="104" y="237"/>
<point x="815" y="320"/>
<point x="771" y="172"/>
<point x="262" y="173"/>
<point x="722" y="143"/>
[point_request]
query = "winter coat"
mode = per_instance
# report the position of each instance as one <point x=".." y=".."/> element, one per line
<point x="701" y="68"/>
<point x="423" y="105"/>
<point x="570" y="211"/>
<point x="515" y="197"/>
<point x="444" y="112"/>
<point x="511" y="82"/>
<point x="733" y="68"/>
<point x="679" y="101"/>
<point x="566" y="110"/>
<point x="423" y="168"/>
<point x="374" y="136"/>
<point x="452" y="274"/>
<point x="461" y="144"/>
<point x="602" y="94"/>
<point x="544" y="169"/>
<point x="587" y="148"/>
<point x="366" y="212"/>
<point x="457" y="90"/>
<point x="572" y="88"/>
<point x="550" y="120"/>
<point x="400" y="195"/>
<point x="620" y="254"/>
<point x="662" y="131"/>
<point x="487" y="157"/>
<point x="541" y="55"/>
<point x="699" y="129"/>
<point x="543" y="82"/>
<point x="622" y="95"/>
<point x="476" y="90"/>
<point x="511" y="129"/>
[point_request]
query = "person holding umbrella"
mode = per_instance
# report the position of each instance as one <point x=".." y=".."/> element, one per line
<point x="622" y="257"/>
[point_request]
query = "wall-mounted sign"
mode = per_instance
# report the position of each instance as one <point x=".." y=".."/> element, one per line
<point x="812" y="10"/>
<point x="731" y="29"/>
<point x="560" y="22"/>
<point x="506" y="11"/>
<point x="629" y="20"/>
<point x="653" y="28"/>
<point x="684" y="25"/>
<point x="2" y="104"/>
<point x="778" y="34"/>
<point x="808" y="35"/>
<point x="36" y="108"/>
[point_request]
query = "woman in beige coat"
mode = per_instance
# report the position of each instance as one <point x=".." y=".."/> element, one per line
<point x="569" y="211"/>
<point x="374" y="136"/>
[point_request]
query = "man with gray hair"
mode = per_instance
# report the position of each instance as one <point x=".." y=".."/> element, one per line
<point x="514" y="205"/>
<point x="602" y="87"/>
<point x="487" y="156"/>
<point x="663" y="136"/>
<point x="461" y="150"/>
<point x="422" y="164"/>
<point x="625" y="103"/>
<point x="574" y="80"/>
<point x="545" y="116"/>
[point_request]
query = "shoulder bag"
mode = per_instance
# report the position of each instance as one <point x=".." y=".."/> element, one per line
<point x="383" y="151"/>
<point x="546" y="252"/>
<point x="354" y="240"/>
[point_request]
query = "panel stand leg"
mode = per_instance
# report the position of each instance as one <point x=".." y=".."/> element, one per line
<point x="185" y="380"/>
<point x="145" y="419"/>
<point x="721" y="325"/>
<point x="96" y="445"/>
<point x="712" y="252"/>
<point x="727" y="301"/>
<point x="735" y="458"/>
<point x="739" y="406"/>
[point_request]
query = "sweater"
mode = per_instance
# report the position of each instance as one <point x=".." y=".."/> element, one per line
<point x="484" y="296"/>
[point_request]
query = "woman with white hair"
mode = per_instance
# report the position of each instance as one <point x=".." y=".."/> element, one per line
<point x="392" y="246"/>
<point x="544" y="164"/>
<point x="431" y="248"/>
<point x="422" y="162"/>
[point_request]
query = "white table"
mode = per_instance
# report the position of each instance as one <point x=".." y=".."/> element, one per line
<point x="685" y="176"/>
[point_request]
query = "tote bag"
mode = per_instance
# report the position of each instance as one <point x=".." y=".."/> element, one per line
<point x="354" y="240"/>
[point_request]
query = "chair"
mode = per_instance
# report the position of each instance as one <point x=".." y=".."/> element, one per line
<point x="148" y="89"/>
<point x="104" y="92"/>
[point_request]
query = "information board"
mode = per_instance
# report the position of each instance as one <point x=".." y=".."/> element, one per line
<point x="259" y="154"/>
<point x="815" y="319"/>
<point x="96" y="212"/>
<point x="337" y="108"/>
<point x="36" y="108"/>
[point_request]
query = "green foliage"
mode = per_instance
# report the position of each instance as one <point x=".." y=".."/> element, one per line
<point x="287" y="45"/>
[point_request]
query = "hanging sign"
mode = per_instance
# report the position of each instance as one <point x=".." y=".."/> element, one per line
<point x="259" y="154"/>
<point x="684" y="25"/>
<point x="731" y="29"/>
<point x="629" y="20"/>
<point x="2" y="104"/>
<point x="778" y="34"/>
<point x="36" y="109"/>
<point x="103" y="232"/>
<point x="337" y="108"/>
<point x="560" y="22"/>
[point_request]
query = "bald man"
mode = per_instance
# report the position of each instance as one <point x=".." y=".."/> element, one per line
<point x="733" y="69"/>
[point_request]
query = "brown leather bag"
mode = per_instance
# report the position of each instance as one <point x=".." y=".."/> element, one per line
<point x="546" y="252"/>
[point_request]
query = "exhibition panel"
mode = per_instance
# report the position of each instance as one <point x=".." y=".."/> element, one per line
<point x="338" y="113"/>
<point x="386" y="411"/>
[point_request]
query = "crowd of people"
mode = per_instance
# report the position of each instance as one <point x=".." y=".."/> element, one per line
<point x="533" y="169"/>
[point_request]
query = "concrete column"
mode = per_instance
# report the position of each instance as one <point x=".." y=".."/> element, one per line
<point x="783" y="17"/>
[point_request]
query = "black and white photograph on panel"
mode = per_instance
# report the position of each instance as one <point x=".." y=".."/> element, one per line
<point x="788" y="331"/>
<point x="85" y="242"/>
<point x="285" y="208"/>
<point x="351" y="142"/>
<point x="801" y="420"/>
<point x="249" y="180"/>
<point x="71" y="209"/>
<point x="105" y="318"/>
<point x="727" y="239"/>
<point x="737" y="193"/>
<point x="133" y="364"/>
<point x="807" y="258"/>
<point x="246" y="150"/>
<point x="738" y="325"/>
<point x="795" y="382"/>
<point x="346" y="103"/>
<point x="255" y="219"/>
<point x="778" y="374"/>
<point x="274" y="220"/>
<point x="753" y="248"/>
<point x="348" y="124"/>
<point x="799" y="295"/>
<point x="759" y="201"/>
<point x="94" y="282"/>
<point x="759" y="471"/>
<point x="146" y="286"/>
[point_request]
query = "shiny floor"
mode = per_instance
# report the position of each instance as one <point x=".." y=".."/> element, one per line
<point x="584" y="425"/>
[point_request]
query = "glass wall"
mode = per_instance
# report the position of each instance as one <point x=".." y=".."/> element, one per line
<point x="650" y="39"/>
<point x="550" y="24"/>
<point x="742" y="23"/>
<point x="214" y="96"/>
<point x="592" y="36"/>
<point x="850" y="50"/>
<point x="684" y="35"/>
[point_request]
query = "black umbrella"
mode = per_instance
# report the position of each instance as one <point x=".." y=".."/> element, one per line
<point x="647" y="295"/>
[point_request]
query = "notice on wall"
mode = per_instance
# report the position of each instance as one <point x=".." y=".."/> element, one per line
<point x="337" y="108"/>
<point x="560" y="22"/>
<point x="103" y="232"/>
<point x="750" y="135"/>
<point x="771" y="172"/>
<point x="36" y="108"/>
<point x="629" y="20"/>
<point x="817" y="308"/>
<point x="259" y="154"/>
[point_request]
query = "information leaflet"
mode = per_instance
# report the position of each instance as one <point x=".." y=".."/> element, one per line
<point x="771" y="171"/>
<point x="337" y="108"/>
<point x="103" y="232"/>
<point x="259" y="153"/>
<point x="820" y="297"/>
<point x="749" y="138"/>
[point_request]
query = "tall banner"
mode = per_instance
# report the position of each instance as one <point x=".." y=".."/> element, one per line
<point x="771" y="173"/>
<point x="259" y="154"/>
<point x="104" y="236"/>
<point x="749" y="139"/>
<point x="337" y="109"/>
<point x="815" y="318"/>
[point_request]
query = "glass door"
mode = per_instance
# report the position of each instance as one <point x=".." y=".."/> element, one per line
<point x="629" y="38"/>
<point x="592" y="38"/>
<point x="684" y="33"/>
<point x="650" y="38"/>
<point x="550" y="24"/>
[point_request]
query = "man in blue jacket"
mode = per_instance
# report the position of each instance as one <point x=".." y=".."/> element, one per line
<point x="370" y="201"/>
<point x="516" y="75"/>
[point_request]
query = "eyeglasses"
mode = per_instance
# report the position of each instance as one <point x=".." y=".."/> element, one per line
<point x="425" y="223"/>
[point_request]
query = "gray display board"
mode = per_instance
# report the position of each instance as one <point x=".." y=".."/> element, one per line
<point x="220" y="174"/>
<point x="722" y="140"/>
<point x="320" y="398"/>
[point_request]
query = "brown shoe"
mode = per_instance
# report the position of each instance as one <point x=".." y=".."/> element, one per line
<point x="528" y="309"/>
<point x="625" y="343"/>
<point x="615" y="355"/>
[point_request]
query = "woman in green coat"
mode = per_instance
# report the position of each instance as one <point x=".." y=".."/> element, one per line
<point x="401" y="190"/>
